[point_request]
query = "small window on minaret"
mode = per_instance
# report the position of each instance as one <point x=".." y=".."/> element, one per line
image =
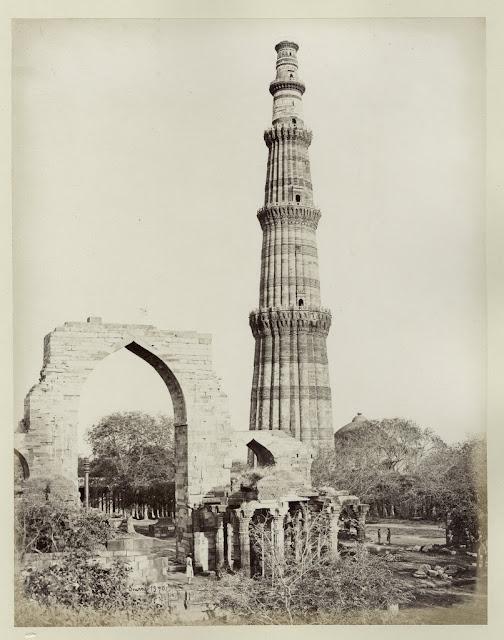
<point x="298" y="198"/>
<point x="301" y="302"/>
<point x="294" y="119"/>
<point x="291" y="75"/>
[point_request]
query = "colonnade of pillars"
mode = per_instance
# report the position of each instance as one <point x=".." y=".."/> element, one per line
<point x="280" y="517"/>
<point x="231" y="532"/>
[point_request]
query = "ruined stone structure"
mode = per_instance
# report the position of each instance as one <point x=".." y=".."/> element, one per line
<point x="290" y="386"/>
<point x="48" y="444"/>
<point x="222" y="525"/>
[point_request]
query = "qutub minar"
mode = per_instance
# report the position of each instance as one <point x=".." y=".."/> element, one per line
<point x="290" y="386"/>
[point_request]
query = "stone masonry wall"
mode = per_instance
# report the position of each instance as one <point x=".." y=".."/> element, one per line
<point x="184" y="362"/>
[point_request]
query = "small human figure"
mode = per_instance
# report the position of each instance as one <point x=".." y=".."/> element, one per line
<point x="379" y="536"/>
<point x="388" y="535"/>
<point x="189" y="571"/>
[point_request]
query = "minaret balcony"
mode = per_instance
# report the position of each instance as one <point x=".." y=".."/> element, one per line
<point x="287" y="131"/>
<point x="288" y="213"/>
<point x="285" y="320"/>
<point x="285" y="85"/>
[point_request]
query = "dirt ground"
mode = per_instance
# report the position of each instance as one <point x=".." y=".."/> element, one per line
<point x="436" y="601"/>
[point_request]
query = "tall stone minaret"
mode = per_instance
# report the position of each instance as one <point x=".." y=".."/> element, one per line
<point x="290" y="386"/>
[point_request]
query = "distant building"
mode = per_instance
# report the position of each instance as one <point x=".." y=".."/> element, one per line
<point x="341" y="434"/>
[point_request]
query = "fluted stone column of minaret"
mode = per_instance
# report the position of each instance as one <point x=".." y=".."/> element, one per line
<point x="290" y="386"/>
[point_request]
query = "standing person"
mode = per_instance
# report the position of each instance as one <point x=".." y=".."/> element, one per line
<point x="189" y="571"/>
<point x="379" y="536"/>
<point x="388" y="535"/>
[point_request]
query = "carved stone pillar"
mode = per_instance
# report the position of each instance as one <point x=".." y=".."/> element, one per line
<point x="334" y="514"/>
<point x="244" y="522"/>
<point x="307" y="516"/>
<point x="219" y="540"/>
<point x="288" y="526"/>
<point x="298" y="533"/>
<point x="362" y="509"/>
<point x="278" y="535"/>
<point x="230" y="542"/>
<point x="200" y="550"/>
<point x="277" y="528"/>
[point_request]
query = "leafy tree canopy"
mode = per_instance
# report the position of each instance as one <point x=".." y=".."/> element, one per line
<point x="395" y="444"/>
<point x="376" y="459"/>
<point x="133" y="450"/>
<point x="396" y="462"/>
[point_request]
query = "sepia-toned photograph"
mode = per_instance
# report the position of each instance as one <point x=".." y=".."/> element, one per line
<point x="249" y="322"/>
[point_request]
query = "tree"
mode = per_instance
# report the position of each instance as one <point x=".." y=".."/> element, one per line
<point x="395" y="463"/>
<point x="377" y="460"/>
<point x="395" y="444"/>
<point x="134" y="453"/>
<point x="455" y="484"/>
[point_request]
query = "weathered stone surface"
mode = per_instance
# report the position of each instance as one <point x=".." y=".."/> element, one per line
<point x="184" y="362"/>
<point x="290" y="385"/>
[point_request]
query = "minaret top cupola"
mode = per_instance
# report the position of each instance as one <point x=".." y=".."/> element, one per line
<point x="287" y="89"/>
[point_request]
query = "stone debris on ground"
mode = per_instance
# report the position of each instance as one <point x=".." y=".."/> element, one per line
<point x="426" y="571"/>
<point x="429" y="584"/>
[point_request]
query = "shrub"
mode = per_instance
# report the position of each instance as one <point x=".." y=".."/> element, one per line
<point x="31" y="612"/>
<point x="333" y="592"/>
<point x="52" y="525"/>
<point x="305" y="584"/>
<point x="75" y="580"/>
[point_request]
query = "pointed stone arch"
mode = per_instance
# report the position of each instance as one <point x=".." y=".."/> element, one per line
<point x="182" y="359"/>
<point x="21" y="464"/>
<point x="168" y="377"/>
<point x="263" y="455"/>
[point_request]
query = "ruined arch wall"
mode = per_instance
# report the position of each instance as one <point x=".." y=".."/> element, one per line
<point x="184" y="361"/>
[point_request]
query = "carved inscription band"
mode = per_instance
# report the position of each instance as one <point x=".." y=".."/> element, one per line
<point x="288" y="214"/>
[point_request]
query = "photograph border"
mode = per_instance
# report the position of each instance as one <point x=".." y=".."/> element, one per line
<point x="493" y="12"/>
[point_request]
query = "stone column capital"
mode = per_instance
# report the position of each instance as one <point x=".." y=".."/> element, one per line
<point x="246" y="510"/>
<point x="280" y="510"/>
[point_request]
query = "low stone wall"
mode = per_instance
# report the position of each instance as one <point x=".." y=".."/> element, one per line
<point x="146" y="565"/>
<point x="148" y="580"/>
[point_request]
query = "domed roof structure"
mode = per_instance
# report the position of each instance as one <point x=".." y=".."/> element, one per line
<point x="351" y="425"/>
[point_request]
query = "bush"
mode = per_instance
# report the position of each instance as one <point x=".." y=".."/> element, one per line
<point x="52" y="525"/>
<point x="305" y="584"/>
<point x="31" y="612"/>
<point x="75" y="580"/>
<point x="333" y="592"/>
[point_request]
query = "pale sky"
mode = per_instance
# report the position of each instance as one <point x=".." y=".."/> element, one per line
<point x="139" y="166"/>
